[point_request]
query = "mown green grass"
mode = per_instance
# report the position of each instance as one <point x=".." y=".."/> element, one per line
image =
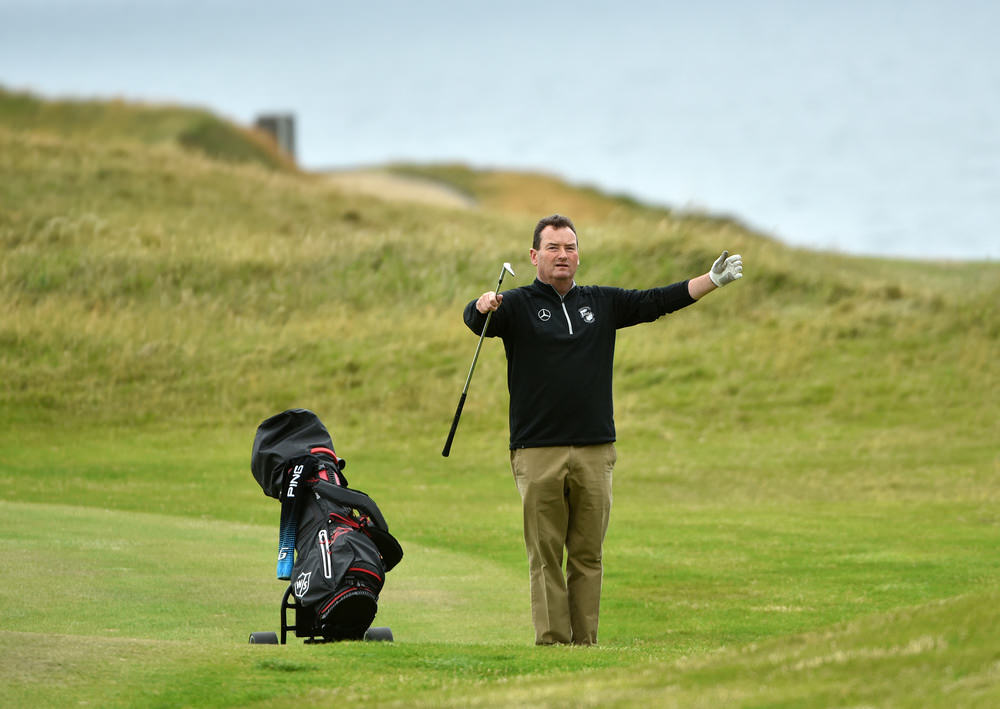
<point x="805" y="500"/>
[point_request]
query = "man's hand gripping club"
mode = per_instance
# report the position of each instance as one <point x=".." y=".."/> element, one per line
<point x="489" y="301"/>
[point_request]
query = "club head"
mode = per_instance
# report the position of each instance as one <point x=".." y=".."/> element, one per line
<point x="508" y="269"/>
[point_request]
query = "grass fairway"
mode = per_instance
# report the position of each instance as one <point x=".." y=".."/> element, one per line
<point x="806" y="500"/>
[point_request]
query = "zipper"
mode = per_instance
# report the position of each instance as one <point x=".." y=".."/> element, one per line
<point x="562" y="302"/>
<point x="566" y="313"/>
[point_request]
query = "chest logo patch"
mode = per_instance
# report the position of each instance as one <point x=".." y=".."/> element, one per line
<point x="544" y="315"/>
<point x="587" y="314"/>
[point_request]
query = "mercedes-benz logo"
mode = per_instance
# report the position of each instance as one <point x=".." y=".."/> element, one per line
<point x="544" y="315"/>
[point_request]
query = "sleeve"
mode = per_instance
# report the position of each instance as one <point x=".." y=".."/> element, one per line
<point x="638" y="306"/>
<point x="475" y="320"/>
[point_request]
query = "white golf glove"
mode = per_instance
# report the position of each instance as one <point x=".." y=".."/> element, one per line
<point x="726" y="270"/>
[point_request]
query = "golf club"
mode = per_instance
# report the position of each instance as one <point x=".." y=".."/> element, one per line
<point x="465" y="390"/>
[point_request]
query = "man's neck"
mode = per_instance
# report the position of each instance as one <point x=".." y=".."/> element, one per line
<point x="561" y="287"/>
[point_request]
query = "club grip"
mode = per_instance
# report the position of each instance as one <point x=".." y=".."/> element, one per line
<point x="454" y="426"/>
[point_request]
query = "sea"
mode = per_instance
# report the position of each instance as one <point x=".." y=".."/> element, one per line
<point x="863" y="127"/>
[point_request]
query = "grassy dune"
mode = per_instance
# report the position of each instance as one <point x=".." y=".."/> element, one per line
<point x="806" y="496"/>
<point x="92" y="120"/>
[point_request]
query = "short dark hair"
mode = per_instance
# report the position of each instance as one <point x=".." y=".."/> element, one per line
<point x="556" y="221"/>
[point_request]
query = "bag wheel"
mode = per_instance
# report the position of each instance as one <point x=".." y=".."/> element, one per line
<point x="264" y="638"/>
<point x="379" y="635"/>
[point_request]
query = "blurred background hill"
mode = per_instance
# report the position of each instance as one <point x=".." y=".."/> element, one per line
<point x="150" y="278"/>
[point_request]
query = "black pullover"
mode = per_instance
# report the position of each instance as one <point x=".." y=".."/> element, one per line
<point x="560" y="356"/>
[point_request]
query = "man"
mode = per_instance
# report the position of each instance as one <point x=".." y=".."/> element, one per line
<point x="559" y="338"/>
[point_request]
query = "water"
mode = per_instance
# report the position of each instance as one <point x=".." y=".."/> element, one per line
<point x="863" y="127"/>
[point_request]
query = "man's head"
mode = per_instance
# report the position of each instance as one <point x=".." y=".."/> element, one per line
<point x="556" y="221"/>
<point x="554" y="252"/>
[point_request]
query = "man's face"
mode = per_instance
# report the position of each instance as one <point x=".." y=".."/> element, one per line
<point x="556" y="258"/>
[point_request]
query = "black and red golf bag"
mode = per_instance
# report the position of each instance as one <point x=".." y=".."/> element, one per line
<point x="334" y="544"/>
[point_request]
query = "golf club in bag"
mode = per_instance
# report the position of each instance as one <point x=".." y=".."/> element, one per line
<point x="334" y="544"/>
<point x="465" y="390"/>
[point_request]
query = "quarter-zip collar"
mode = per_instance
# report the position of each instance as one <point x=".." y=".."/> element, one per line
<point x="549" y="289"/>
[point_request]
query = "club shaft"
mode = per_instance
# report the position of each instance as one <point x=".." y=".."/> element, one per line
<point x="475" y="357"/>
<point x="468" y="379"/>
<point x="465" y="389"/>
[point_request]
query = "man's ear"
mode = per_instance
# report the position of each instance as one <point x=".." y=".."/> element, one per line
<point x="534" y="257"/>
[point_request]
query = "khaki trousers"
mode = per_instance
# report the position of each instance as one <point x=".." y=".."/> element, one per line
<point x="566" y="498"/>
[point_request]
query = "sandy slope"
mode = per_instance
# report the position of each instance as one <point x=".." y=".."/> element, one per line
<point x="388" y="186"/>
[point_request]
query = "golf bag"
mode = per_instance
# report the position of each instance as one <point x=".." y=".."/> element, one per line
<point x="334" y="544"/>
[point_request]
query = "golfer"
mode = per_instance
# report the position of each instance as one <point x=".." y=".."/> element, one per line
<point x="559" y="338"/>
